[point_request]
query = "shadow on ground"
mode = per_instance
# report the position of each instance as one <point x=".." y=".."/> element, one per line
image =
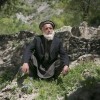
<point x="89" y="90"/>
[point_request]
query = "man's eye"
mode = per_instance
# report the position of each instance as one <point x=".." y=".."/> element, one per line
<point x="48" y="28"/>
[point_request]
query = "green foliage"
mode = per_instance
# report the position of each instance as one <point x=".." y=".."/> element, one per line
<point x="5" y="78"/>
<point x="66" y="19"/>
<point x="87" y="10"/>
<point x="74" y="13"/>
<point x="12" y="26"/>
<point x="9" y="7"/>
<point x="94" y="14"/>
<point x="24" y="9"/>
<point x="58" y="20"/>
<point x="85" y="75"/>
<point x="72" y="81"/>
<point x="7" y="26"/>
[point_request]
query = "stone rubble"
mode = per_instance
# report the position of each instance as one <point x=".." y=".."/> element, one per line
<point x="81" y="47"/>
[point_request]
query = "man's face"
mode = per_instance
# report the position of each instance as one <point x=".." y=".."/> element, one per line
<point x="48" y="31"/>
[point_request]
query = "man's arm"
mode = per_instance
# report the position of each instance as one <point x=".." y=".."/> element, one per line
<point x="28" y="52"/>
<point x="64" y="59"/>
<point x="65" y="70"/>
<point x="63" y="55"/>
<point x="26" y="56"/>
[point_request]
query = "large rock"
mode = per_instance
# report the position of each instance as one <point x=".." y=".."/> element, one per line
<point x="11" y="49"/>
<point x="12" y="46"/>
<point x="79" y="48"/>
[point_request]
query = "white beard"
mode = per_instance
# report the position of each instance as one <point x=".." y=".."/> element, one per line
<point x="49" y="36"/>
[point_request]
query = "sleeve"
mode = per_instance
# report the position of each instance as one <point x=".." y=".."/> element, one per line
<point x="28" y="51"/>
<point x="63" y="55"/>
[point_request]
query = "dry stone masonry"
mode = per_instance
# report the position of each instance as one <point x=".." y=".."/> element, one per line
<point x="82" y="44"/>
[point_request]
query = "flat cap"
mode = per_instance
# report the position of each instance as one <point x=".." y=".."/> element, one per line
<point x="46" y="22"/>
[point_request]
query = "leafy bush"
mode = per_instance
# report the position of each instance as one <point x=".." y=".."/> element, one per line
<point x="85" y="75"/>
<point x="12" y="26"/>
<point x="58" y="21"/>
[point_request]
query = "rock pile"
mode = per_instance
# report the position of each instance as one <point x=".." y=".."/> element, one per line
<point x="82" y="44"/>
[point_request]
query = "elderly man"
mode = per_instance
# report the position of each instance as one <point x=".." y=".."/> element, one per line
<point x="42" y="54"/>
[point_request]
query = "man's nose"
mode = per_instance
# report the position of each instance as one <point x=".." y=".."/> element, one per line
<point x="49" y="30"/>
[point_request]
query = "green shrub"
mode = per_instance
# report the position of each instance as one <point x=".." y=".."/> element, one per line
<point x="76" y="78"/>
<point x="85" y="75"/>
<point x="59" y="21"/>
<point x="12" y="26"/>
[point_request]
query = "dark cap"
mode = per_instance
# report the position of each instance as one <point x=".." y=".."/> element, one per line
<point x="46" y="22"/>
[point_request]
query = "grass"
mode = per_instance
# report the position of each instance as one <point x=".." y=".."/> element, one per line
<point x="10" y="26"/>
<point x="84" y="75"/>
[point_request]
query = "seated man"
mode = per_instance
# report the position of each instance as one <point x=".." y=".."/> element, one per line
<point x="42" y="54"/>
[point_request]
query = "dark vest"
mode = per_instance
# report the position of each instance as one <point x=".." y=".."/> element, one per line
<point x="46" y="45"/>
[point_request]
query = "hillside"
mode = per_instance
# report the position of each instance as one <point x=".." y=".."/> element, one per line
<point x="77" y="25"/>
<point x="26" y="15"/>
<point x="81" y="83"/>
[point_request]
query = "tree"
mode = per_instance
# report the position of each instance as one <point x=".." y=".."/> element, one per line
<point x="2" y="2"/>
<point x="87" y="9"/>
<point x="7" y="7"/>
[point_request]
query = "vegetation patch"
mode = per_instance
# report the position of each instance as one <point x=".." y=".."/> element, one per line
<point x="85" y="75"/>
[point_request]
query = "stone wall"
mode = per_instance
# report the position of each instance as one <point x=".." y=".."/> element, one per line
<point x="12" y="46"/>
<point x="79" y="47"/>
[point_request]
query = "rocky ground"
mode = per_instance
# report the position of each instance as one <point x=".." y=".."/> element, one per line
<point x="82" y="44"/>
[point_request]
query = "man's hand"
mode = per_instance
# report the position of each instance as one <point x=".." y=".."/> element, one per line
<point x="65" y="70"/>
<point x="25" y="68"/>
